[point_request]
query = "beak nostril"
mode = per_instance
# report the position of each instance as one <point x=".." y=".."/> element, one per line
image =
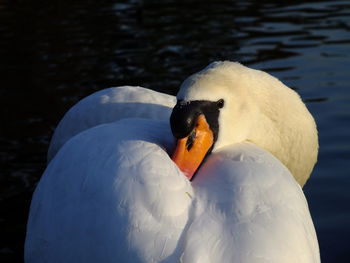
<point x="190" y="140"/>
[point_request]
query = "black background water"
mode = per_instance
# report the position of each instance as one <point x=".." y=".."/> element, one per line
<point x="53" y="53"/>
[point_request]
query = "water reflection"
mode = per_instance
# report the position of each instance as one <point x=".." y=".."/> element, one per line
<point x="54" y="53"/>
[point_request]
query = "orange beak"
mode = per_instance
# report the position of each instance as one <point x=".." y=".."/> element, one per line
<point x="191" y="150"/>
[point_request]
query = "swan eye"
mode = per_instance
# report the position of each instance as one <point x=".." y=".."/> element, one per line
<point x="190" y="139"/>
<point x="220" y="103"/>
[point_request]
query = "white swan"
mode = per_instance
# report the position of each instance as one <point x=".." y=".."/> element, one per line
<point x="112" y="194"/>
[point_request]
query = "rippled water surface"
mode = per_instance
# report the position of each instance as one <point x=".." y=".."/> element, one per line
<point x="53" y="53"/>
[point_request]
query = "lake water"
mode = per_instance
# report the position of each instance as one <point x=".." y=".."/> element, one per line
<point x="53" y="53"/>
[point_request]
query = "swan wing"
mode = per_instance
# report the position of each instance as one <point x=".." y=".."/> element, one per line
<point x="111" y="194"/>
<point x="249" y="209"/>
<point x="110" y="105"/>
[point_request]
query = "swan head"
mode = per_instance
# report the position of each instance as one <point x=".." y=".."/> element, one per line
<point x="195" y="124"/>
<point x="228" y="103"/>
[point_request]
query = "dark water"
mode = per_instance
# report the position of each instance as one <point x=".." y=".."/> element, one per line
<point x="52" y="53"/>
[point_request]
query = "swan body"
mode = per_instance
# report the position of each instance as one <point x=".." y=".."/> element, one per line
<point x="125" y="207"/>
<point x="111" y="193"/>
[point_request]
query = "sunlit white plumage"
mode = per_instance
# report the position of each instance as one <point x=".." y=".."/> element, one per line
<point x="112" y="194"/>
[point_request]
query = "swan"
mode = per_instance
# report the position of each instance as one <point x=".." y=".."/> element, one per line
<point x="241" y="144"/>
